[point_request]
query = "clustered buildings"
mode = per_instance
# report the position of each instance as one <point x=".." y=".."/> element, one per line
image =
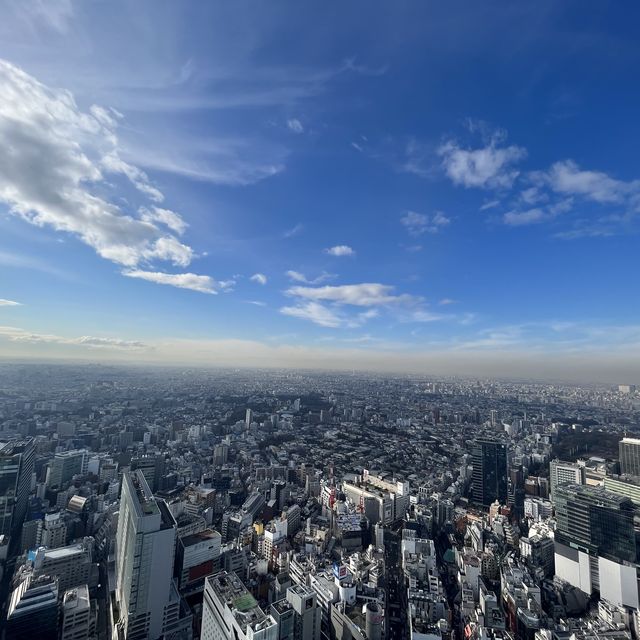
<point x="275" y="505"/>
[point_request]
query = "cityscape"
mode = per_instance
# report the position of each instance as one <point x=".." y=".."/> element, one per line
<point x="173" y="503"/>
<point x="319" y="321"/>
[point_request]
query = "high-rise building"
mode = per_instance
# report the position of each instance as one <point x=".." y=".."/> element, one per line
<point x="153" y="468"/>
<point x="595" y="543"/>
<point x="148" y="600"/>
<point x="248" y="418"/>
<point x="489" y="459"/>
<point x="63" y="466"/>
<point x="597" y="520"/>
<point x="33" y="609"/>
<point x="16" y="467"/>
<point x="220" y="454"/>
<point x="54" y="531"/>
<point x="71" y="564"/>
<point x="307" y="613"/>
<point x="230" y="611"/>
<point x="629" y="451"/>
<point x="284" y="616"/>
<point x="197" y="556"/>
<point x="78" y="616"/>
<point x="563" y="472"/>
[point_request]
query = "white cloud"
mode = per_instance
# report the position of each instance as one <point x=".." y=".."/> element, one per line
<point x="328" y="317"/>
<point x="296" y="276"/>
<point x="295" y="125"/>
<point x="491" y="204"/>
<point x="539" y="214"/>
<point x="567" y="177"/>
<point x="9" y="303"/>
<point x="340" y="250"/>
<point x="315" y="312"/>
<point x="260" y="278"/>
<point x="52" y="173"/>
<point x="488" y="167"/>
<point x="419" y="223"/>
<point x="367" y="294"/>
<point x="446" y="301"/>
<point x="15" y="334"/>
<point x="169" y="218"/>
<point x="520" y="218"/>
<point x="203" y="284"/>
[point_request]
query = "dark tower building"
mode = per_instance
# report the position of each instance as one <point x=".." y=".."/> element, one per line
<point x="16" y="467"/>
<point x="489" y="460"/>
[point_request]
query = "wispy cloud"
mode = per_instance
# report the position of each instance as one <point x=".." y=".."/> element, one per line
<point x="567" y="178"/>
<point x="50" y="14"/>
<point x="9" y="303"/>
<point x="170" y="219"/>
<point x="340" y="250"/>
<point x="222" y="161"/>
<point x="15" y="334"/>
<point x="332" y="317"/>
<point x="203" y="284"/>
<point x="519" y="218"/>
<point x="315" y="312"/>
<point x="259" y="278"/>
<point x="293" y="231"/>
<point x="296" y="276"/>
<point x="418" y="223"/>
<point x="367" y="294"/>
<point x="295" y="125"/>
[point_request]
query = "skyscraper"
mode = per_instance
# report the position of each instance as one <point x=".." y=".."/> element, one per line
<point x="63" y="466"/>
<point x="562" y="472"/>
<point x="629" y="451"/>
<point x="148" y="600"/>
<point x="489" y="459"/>
<point x="16" y="467"/>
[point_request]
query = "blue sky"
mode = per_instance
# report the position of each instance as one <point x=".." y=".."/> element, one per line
<point x="409" y="186"/>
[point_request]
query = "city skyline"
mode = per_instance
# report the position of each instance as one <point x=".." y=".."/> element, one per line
<point x="431" y="189"/>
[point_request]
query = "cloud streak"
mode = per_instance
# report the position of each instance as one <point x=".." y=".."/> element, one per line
<point x="192" y="281"/>
<point x="15" y="334"/>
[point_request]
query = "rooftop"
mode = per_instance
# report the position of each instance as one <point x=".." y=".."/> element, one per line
<point x="76" y="599"/>
<point x="230" y="590"/>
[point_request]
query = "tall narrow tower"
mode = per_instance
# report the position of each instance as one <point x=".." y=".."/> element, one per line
<point x="148" y="600"/>
<point x="489" y="459"/>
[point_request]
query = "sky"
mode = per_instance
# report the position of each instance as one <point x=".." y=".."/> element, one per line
<point x="445" y="188"/>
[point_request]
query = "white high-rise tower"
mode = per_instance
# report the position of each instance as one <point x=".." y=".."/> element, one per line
<point x="148" y="600"/>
